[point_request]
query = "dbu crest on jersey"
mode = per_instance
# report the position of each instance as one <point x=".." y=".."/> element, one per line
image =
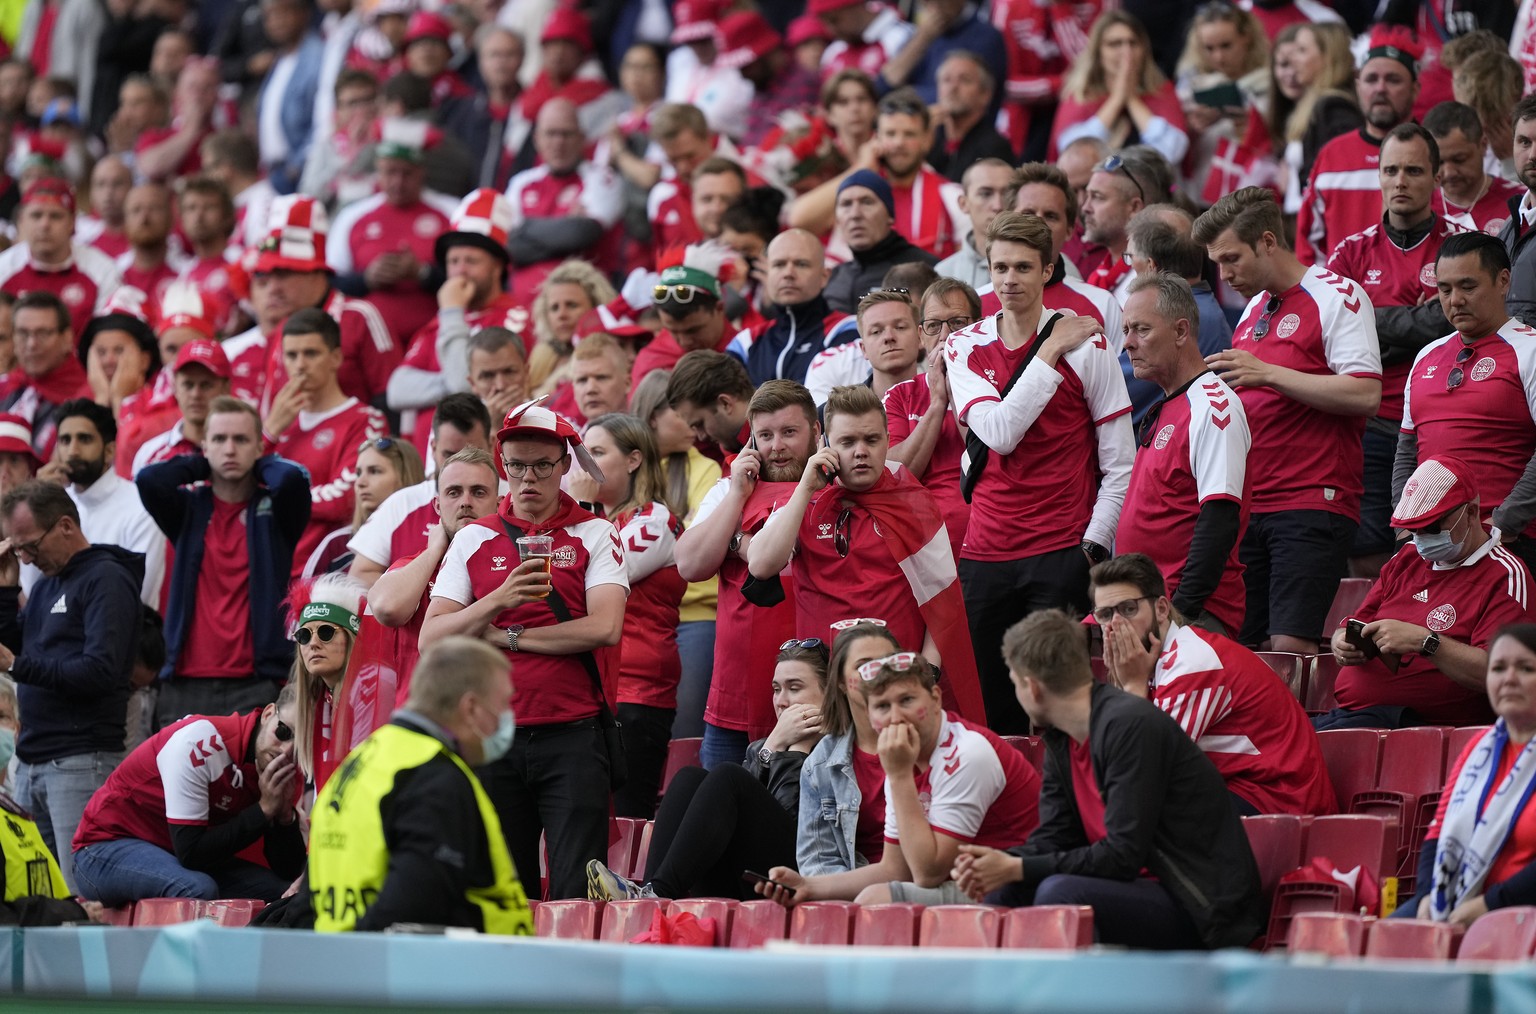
<point x="324" y="438"/>
<point x="1163" y="436"/>
<point x="73" y="294"/>
<point x="565" y="556"/>
<point x="1288" y="325"/>
<point x="1483" y="368"/>
<point x="1427" y="275"/>
<point x="1441" y="618"/>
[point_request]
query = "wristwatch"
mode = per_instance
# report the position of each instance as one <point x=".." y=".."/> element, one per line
<point x="1431" y="645"/>
<point x="735" y="546"/>
<point x="513" y="633"/>
<point x="1094" y="551"/>
<point x="765" y="755"/>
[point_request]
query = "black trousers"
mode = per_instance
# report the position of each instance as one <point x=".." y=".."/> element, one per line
<point x="711" y="826"/>
<point x="999" y="594"/>
<point x="1138" y="913"/>
<point x="180" y="696"/>
<point x="646" y="732"/>
<point x="554" y="781"/>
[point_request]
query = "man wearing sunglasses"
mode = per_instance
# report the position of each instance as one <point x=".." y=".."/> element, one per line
<point x="1306" y="363"/>
<point x="1468" y="394"/>
<point x="172" y="819"/>
<point x="687" y="299"/>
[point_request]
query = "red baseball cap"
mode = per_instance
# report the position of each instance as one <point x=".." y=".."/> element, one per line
<point x="746" y="37"/>
<point x="50" y="189"/>
<point x="427" y="25"/>
<point x="1436" y="487"/>
<point x="532" y="419"/>
<point x="207" y="354"/>
<point x="568" y="25"/>
<point x="16" y="437"/>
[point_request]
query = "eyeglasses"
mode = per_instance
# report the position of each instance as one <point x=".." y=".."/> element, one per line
<point x="541" y="469"/>
<point x="933" y="326"/>
<point x="675" y="293"/>
<point x="1271" y="306"/>
<point x="855" y="621"/>
<point x="324" y="631"/>
<point x="283" y="732"/>
<point x="380" y="444"/>
<point x="1116" y="164"/>
<point x="809" y="644"/>
<point x="31" y="548"/>
<point x="1456" y="376"/>
<point x="840" y="536"/>
<point x="899" y="662"/>
<point x="1125" y="609"/>
<point x="40" y="334"/>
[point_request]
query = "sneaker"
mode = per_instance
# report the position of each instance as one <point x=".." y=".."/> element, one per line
<point x="605" y="885"/>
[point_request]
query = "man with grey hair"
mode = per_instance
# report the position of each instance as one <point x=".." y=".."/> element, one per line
<point x="1184" y="507"/>
<point x="963" y="132"/>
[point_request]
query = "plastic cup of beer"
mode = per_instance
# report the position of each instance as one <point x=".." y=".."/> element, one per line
<point x="537" y="547"/>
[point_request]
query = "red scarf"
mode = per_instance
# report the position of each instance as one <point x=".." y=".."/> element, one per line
<point x="65" y="381"/>
<point x="914" y="528"/>
<point x="765" y="499"/>
<point x="568" y="513"/>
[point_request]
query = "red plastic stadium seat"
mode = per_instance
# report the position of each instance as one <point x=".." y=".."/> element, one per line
<point x="623" y="839"/>
<point x="1352" y="592"/>
<point x="681" y="753"/>
<point x="1506" y="934"/>
<point x="756" y="922"/>
<point x="166" y="911"/>
<point x="893" y="925"/>
<point x="822" y="922"/>
<point x="1412" y="761"/>
<point x="1410" y="938"/>
<point x="622" y="921"/>
<point x="1049" y="927"/>
<point x="1352" y="757"/>
<point x="570" y="919"/>
<point x="1456" y="741"/>
<point x="960" y="926"/>
<point x="1276" y="843"/>
<point x="233" y="911"/>
<point x="1320" y="682"/>
<point x="718" y="909"/>
<point x="1347" y="841"/>
<point x="1032" y="747"/>
<point x="1332" y="933"/>
<point x="643" y="850"/>
<point x="1291" y="668"/>
<point x="117" y="916"/>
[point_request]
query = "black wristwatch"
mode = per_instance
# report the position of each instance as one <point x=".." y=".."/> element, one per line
<point x="1095" y="552"/>
<point x="1431" y="645"/>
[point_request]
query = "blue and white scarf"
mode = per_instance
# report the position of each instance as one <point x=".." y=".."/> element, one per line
<point x="1479" y="819"/>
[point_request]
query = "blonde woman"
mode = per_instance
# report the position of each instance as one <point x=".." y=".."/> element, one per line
<point x="1312" y="98"/>
<point x="325" y="629"/>
<point x="384" y="466"/>
<point x="1114" y="92"/>
<point x="1223" y="84"/>
<point x="570" y="292"/>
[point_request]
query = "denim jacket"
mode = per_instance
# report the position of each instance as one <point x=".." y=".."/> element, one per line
<point x="829" y="809"/>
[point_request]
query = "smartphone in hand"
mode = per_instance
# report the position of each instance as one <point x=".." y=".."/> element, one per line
<point x="1354" y="636"/>
<point x="749" y="877"/>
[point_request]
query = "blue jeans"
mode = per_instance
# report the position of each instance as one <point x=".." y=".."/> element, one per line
<point x="721" y="746"/>
<point x="126" y="870"/>
<point x="696" y="645"/>
<point x="56" y="793"/>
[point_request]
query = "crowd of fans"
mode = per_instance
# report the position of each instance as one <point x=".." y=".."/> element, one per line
<point x="818" y="379"/>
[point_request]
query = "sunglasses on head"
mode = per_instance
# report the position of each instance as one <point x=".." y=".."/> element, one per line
<point x="324" y="631"/>
<point x="810" y="644"/>
<point x="380" y="444"/>
<point x="849" y="624"/>
<point x="902" y="661"/>
<point x="1271" y="305"/>
<point x="1116" y="164"/>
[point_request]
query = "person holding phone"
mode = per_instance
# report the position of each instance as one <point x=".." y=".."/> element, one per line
<point x="1431" y="614"/>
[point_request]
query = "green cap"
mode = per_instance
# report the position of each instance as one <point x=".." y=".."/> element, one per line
<point x="331" y="613"/>
<point x="681" y="274"/>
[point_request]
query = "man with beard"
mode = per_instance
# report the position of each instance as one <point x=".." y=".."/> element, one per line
<point x="755" y="617"/>
<point x="866" y="221"/>
<point x="1517" y="232"/>
<point x="145" y="265"/>
<point x="1343" y="194"/>
<point x="466" y="491"/>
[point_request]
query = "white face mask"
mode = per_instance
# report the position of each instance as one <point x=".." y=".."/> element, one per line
<point x="7" y="746"/>
<point x="1439" y="547"/>
<point x="495" y="746"/>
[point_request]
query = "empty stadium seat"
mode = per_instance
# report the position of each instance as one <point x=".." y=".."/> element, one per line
<point x="1410" y="938"/>
<point x="1049" y="927"/>
<point x="1506" y="934"/>
<point x="1321" y="677"/>
<point x="166" y="911"/>
<point x="1351" y="593"/>
<point x="822" y="922"/>
<point x="623" y="841"/>
<point x="1292" y="670"/>
<point x="622" y="921"/>
<point x="1335" y="934"/>
<point x="568" y="919"/>
<point x="893" y="925"/>
<point x="681" y="753"/>
<point x="1276" y="843"/>
<point x="1407" y="788"/>
<point x="754" y="923"/>
<point x="718" y="909"/>
<point x="1457" y="740"/>
<point x="233" y="911"/>
<point x="960" y="926"/>
<point x="1352" y="757"/>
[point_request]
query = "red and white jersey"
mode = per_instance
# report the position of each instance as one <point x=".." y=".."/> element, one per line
<point x="1066" y="294"/>
<point x="93" y="232"/>
<point x="840" y="366"/>
<point x="398" y="527"/>
<point x="547" y="688"/>
<point x="1466" y="602"/>
<point x="194" y="772"/>
<point x="1073" y="461"/>
<point x="669" y="208"/>
<point x="253" y="208"/>
<point x="210" y="275"/>
<point x="905" y="405"/>
<point x="152" y="282"/>
<point x="1195" y="450"/>
<point x="649" y="665"/>
<point x="1304" y="458"/>
<point x="1042" y="40"/>
<point x="1489" y="419"/>
<point x="84" y="284"/>
<point x="369" y="353"/>
<point x="170" y="444"/>
<point x="364" y="230"/>
<point x="1392" y="276"/>
<point x="1343" y="195"/>
<point x="504" y="311"/>
<point x="1231" y="704"/>
<point x="928" y="212"/>
<point x="886" y="35"/>
<point x="591" y="191"/>
<point x="248" y="362"/>
<point x="1488" y="213"/>
<point x="976" y="788"/>
<point x="326" y="444"/>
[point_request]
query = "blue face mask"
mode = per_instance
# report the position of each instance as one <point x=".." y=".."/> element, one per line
<point x="1438" y="547"/>
<point x="7" y="746"/>
<point x="495" y="746"/>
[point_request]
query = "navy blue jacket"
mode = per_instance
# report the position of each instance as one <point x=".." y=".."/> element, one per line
<point x="274" y="519"/>
<point x="783" y="349"/>
<point x="75" y="644"/>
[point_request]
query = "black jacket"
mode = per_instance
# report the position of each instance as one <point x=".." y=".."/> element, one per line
<point x="1521" y="301"/>
<point x="75" y="644"/>
<point x="1166" y="810"/>
<point x="780" y="776"/>
<point x="852" y="280"/>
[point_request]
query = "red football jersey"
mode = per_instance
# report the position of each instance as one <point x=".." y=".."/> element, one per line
<point x="163" y="447"/>
<point x="669" y="207"/>
<point x="1343" y="195"/>
<point x="591" y="191"/>
<point x="369" y="353"/>
<point x="976" y="788"/>
<point x="367" y="229"/>
<point x="219" y="642"/>
<point x="83" y="285"/>
<point x="504" y="311"/>
<point x="882" y="40"/>
<point x="924" y="213"/>
<point x="1195" y="450"/>
<point x="1074" y="296"/>
<point x="905" y="406"/>
<point x="1490" y="211"/>
<point x="248" y="362"/>
<point x="649" y="666"/>
<point x="326" y="444"/>
<point x="398" y="527"/>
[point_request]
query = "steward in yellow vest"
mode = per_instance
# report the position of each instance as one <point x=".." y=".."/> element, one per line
<point x="403" y="832"/>
<point x="35" y="893"/>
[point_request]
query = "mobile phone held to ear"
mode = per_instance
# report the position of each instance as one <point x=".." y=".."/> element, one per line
<point x="827" y="472"/>
<point x="749" y="877"/>
<point x="1354" y="636"/>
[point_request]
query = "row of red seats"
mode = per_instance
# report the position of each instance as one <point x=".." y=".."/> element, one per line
<point x="1508" y="934"/>
<point x="742" y="924"/>
<point x="169" y="911"/>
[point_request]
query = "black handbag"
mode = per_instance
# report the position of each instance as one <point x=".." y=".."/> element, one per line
<point x="976" y="452"/>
